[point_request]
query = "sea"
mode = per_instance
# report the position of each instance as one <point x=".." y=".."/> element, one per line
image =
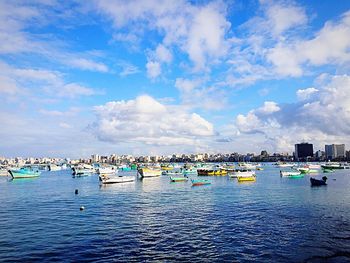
<point x="153" y="220"/>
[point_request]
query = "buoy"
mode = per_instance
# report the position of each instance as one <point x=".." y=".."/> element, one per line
<point x="82" y="208"/>
<point x="76" y="191"/>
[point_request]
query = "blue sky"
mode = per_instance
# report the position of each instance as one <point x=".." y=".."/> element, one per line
<point x="163" y="77"/>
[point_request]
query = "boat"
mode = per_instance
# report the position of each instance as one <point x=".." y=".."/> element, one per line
<point x="23" y="173"/>
<point x="317" y="182"/>
<point x="167" y="167"/>
<point x="178" y="179"/>
<point x="172" y="172"/>
<point x="210" y="172"/>
<point x="54" y="167"/>
<point x="189" y="171"/>
<point x="116" y="179"/>
<point x="106" y="170"/>
<point x="81" y="172"/>
<point x="335" y="166"/>
<point x="290" y="173"/>
<point x="303" y="170"/>
<point x="197" y="182"/>
<point x="149" y="172"/>
<point x="328" y="170"/>
<point x="284" y="165"/>
<point x="242" y="173"/>
<point x="248" y="166"/>
<point x="246" y="178"/>
<point x="259" y="168"/>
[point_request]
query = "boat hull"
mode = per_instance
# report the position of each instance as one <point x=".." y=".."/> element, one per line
<point x="23" y="174"/>
<point x="246" y="179"/>
<point x="116" y="180"/>
<point x="147" y="172"/>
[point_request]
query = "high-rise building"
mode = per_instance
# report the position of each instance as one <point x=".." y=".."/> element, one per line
<point x="334" y="151"/>
<point x="303" y="151"/>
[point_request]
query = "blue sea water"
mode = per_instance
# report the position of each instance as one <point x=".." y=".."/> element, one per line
<point x="272" y="220"/>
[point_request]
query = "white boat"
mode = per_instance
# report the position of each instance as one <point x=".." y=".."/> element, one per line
<point x="106" y="170"/>
<point x="54" y="167"/>
<point x="149" y="172"/>
<point x="284" y="165"/>
<point x="242" y="173"/>
<point x="116" y="179"/>
<point x="313" y="166"/>
<point x="289" y="173"/>
<point x="80" y="172"/>
<point x="248" y="166"/>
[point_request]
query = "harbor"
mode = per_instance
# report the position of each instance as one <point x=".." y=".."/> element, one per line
<point x="273" y="218"/>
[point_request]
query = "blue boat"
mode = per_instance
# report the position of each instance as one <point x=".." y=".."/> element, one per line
<point x="23" y="173"/>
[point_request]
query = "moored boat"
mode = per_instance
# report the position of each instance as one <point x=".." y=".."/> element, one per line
<point x="328" y="170"/>
<point x="149" y="172"/>
<point x="116" y="179"/>
<point x="197" y="182"/>
<point x="106" y="170"/>
<point x="242" y="173"/>
<point x="290" y="173"/>
<point x="23" y="173"/>
<point x="317" y="182"/>
<point x="81" y="172"/>
<point x="246" y="178"/>
<point x="178" y="179"/>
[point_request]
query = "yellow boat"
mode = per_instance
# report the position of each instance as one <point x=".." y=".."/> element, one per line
<point x="167" y="168"/>
<point x="220" y="172"/>
<point x="246" y="178"/>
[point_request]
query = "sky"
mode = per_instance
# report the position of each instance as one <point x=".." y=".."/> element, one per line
<point x="153" y="77"/>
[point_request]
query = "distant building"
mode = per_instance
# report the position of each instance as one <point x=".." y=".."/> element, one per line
<point x="334" y="151"/>
<point x="95" y="158"/>
<point x="303" y="151"/>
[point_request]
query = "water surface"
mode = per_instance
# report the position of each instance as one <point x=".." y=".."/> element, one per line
<point x="272" y="220"/>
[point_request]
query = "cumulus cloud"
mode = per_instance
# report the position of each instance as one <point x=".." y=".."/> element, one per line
<point x="330" y="45"/>
<point x="146" y="120"/>
<point x="321" y="114"/>
<point x="198" y="30"/>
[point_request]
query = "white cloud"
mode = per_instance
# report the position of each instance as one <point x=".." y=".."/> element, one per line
<point x="73" y="90"/>
<point x="87" y="64"/>
<point x="128" y="69"/>
<point x="282" y="17"/>
<point x="321" y="115"/>
<point x="195" y="93"/>
<point x="163" y="54"/>
<point x="198" y="30"/>
<point x="145" y="120"/>
<point x="153" y="69"/>
<point x="18" y="81"/>
<point x="304" y="94"/>
<point x="330" y="45"/>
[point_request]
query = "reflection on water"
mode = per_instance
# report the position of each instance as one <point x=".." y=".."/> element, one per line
<point x="271" y="220"/>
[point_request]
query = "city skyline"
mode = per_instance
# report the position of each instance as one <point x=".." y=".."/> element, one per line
<point x="156" y="78"/>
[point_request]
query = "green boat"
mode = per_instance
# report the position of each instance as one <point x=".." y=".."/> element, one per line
<point x="328" y="170"/>
<point x="296" y="176"/>
<point x="200" y="182"/>
<point x="178" y="179"/>
<point x="23" y="173"/>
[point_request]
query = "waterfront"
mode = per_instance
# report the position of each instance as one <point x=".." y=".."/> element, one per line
<point x="272" y="220"/>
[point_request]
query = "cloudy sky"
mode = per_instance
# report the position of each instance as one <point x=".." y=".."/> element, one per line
<point x="162" y="77"/>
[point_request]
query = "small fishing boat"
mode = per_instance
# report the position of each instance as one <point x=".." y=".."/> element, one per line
<point x="259" y="168"/>
<point x="242" y="173"/>
<point x="178" y="179"/>
<point x="116" y="179"/>
<point x="149" y="172"/>
<point x="106" y="170"/>
<point x="317" y="182"/>
<point x="246" y="178"/>
<point x="23" y="173"/>
<point x="197" y="182"/>
<point x="189" y="171"/>
<point x="81" y="172"/>
<point x="290" y="173"/>
<point x="171" y="172"/>
<point x="328" y="170"/>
